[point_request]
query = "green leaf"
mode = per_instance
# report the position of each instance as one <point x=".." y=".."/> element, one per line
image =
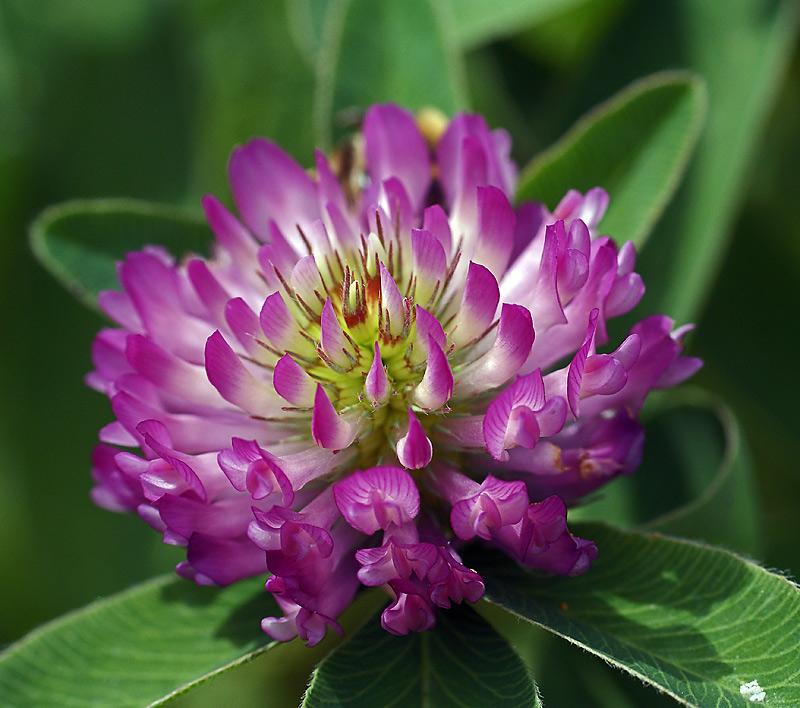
<point x="478" y="21"/>
<point x="139" y="647"/>
<point x="394" y="50"/>
<point x="80" y="242"/>
<point x="743" y="61"/>
<point x="696" y="622"/>
<point x="695" y="479"/>
<point x="636" y="146"/>
<point x="462" y="662"/>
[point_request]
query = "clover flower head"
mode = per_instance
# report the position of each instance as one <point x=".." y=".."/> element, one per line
<point x="369" y="372"/>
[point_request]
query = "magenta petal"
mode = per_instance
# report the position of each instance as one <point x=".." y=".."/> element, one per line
<point x="293" y="383"/>
<point x="115" y="490"/>
<point x="494" y="505"/>
<point x="523" y="428"/>
<point x="471" y="175"/>
<point x="456" y="583"/>
<point x="509" y="351"/>
<point x="602" y="375"/>
<point x="207" y="287"/>
<point x="330" y="430"/>
<point x="276" y="254"/>
<point x="496" y="223"/>
<point x="162" y="309"/>
<point x="267" y="186"/>
<point x="427" y="326"/>
<point x="394" y="561"/>
<point x="280" y="327"/>
<point x="678" y="371"/>
<point x="376" y="386"/>
<point x="228" y="230"/>
<point x="395" y="148"/>
<point x="578" y="363"/>
<point x="411" y="612"/>
<point x="478" y="305"/>
<point x="595" y="203"/>
<point x="250" y="469"/>
<point x="108" y="357"/>
<point x="333" y="341"/>
<point x="526" y="392"/>
<point x="546" y="303"/>
<point x="304" y="466"/>
<point x="572" y="273"/>
<point x="333" y="203"/>
<point x="115" y="433"/>
<point x="538" y="263"/>
<point x="414" y="450"/>
<point x="310" y="620"/>
<point x="430" y="265"/>
<point x="393" y="305"/>
<point x="375" y="498"/>
<point x="436" y="386"/>
<point x="397" y="204"/>
<point x="119" y="307"/>
<point x="628" y="352"/>
<point x="307" y="283"/>
<point x="245" y="326"/>
<point x="466" y="429"/>
<point x="551" y="547"/>
<point x="234" y="382"/>
<point x="223" y="560"/>
<point x="579" y="238"/>
<point x="435" y="222"/>
<point x="552" y="416"/>
<point x="190" y="433"/>
<point x="625" y="294"/>
<point x="225" y="518"/>
<point x="317" y="236"/>
<point x="589" y="208"/>
<point x="493" y="148"/>
<point x="156" y="438"/>
<point x="341" y="226"/>
<point x="169" y="373"/>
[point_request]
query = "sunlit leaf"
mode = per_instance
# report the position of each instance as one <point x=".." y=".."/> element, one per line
<point x="462" y="662"/>
<point x="80" y="242"/>
<point x="696" y="622"/>
<point x="138" y="647"/>
<point x="636" y="146"/>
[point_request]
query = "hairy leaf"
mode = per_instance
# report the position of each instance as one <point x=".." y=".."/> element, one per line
<point x="80" y="242"/>
<point x="462" y="663"/>
<point x="696" y="622"/>
<point x="636" y="146"/>
<point x="139" y="647"/>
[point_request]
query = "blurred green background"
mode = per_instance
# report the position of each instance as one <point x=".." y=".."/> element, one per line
<point x="146" y="98"/>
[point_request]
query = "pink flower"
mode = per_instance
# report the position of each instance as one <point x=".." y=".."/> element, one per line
<point x="371" y="350"/>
